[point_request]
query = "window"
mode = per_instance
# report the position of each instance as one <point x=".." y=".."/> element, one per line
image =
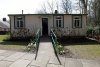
<point x="19" y="22"/>
<point x="58" y="20"/>
<point x="77" y="22"/>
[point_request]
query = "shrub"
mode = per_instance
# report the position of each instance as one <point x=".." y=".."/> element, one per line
<point x="90" y="32"/>
<point x="31" y="45"/>
<point x="60" y="48"/>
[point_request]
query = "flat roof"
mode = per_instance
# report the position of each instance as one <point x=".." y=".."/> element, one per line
<point x="43" y="14"/>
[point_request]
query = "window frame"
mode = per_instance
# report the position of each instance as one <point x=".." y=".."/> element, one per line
<point x="16" y="21"/>
<point x="55" y="24"/>
<point x="80" y="21"/>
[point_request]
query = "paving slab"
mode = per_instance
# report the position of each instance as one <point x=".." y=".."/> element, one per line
<point x="7" y="53"/>
<point x="53" y="65"/>
<point x="62" y="59"/>
<point x="2" y="51"/>
<point x="34" y="63"/>
<point x="20" y="63"/>
<point x="5" y="63"/>
<point x="73" y="63"/>
<point x="33" y="66"/>
<point x="28" y="56"/>
<point x="39" y="63"/>
<point x="2" y="57"/>
<point x="89" y="63"/>
<point x="15" y="56"/>
<point x="53" y="60"/>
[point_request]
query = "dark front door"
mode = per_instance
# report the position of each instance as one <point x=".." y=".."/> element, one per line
<point x="44" y="26"/>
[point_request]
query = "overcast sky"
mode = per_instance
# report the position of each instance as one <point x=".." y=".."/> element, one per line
<point x="16" y="6"/>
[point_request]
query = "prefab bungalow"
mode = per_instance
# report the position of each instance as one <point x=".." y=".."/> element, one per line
<point x="63" y="24"/>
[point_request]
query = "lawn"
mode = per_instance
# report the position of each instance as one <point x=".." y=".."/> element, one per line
<point x="11" y="45"/>
<point x="85" y="49"/>
<point x="2" y="37"/>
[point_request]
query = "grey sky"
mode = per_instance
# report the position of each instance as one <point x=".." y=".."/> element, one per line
<point x="15" y="6"/>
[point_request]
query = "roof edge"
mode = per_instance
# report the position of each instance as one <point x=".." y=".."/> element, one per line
<point x="44" y="14"/>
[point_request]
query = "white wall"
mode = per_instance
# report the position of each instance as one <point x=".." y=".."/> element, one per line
<point x="12" y="23"/>
<point x="74" y="31"/>
<point x="34" y="22"/>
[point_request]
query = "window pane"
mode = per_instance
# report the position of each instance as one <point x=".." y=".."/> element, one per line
<point x="56" y="23"/>
<point x="59" y="23"/>
<point x="21" y="24"/>
<point x="19" y="21"/>
<point x="77" y="22"/>
<point x="17" y="24"/>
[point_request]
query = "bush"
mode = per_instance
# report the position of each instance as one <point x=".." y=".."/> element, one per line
<point x="60" y="48"/>
<point x="31" y="46"/>
<point x="90" y="32"/>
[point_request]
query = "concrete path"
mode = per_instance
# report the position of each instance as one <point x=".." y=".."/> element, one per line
<point x="45" y="54"/>
<point x="45" y="58"/>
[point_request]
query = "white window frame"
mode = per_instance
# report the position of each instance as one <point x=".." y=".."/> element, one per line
<point x="18" y="21"/>
<point x="58" y="21"/>
<point x="77" y="22"/>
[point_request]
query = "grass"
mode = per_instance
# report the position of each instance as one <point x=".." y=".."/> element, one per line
<point x="85" y="49"/>
<point x="11" y="45"/>
<point x="2" y="37"/>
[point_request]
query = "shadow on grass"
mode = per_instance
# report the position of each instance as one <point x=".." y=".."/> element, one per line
<point x="13" y="43"/>
<point x="77" y="41"/>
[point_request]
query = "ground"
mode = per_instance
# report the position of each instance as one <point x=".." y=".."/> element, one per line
<point x="11" y="45"/>
<point x="78" y="48"/>
<point x="83" y="48"/>
<point x="45" y="58"/>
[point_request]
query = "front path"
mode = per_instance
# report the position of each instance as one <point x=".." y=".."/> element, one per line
<point x="46" y="55"/>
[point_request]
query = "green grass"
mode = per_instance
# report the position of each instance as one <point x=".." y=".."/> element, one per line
<point x="83" y="48"/>
<point x="2" y="37"/>
<point x="85" y="51"/>
<point x="11" y="45"/>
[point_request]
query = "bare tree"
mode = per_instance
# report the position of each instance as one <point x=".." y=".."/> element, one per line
<point x="94" y="12"/>
<point x="84" y="3"/>
<point x="51" y="6"/>
<point x="96" y="8"/>
<point x="81" y="7"/>
<point x="43" y="9"/>
<point x="66" y="6"/>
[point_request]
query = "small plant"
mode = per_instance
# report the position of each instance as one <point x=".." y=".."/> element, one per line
<point x="90" y="32"/>
<point x="31" y="45"/>
<point x="60" y="48"/>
